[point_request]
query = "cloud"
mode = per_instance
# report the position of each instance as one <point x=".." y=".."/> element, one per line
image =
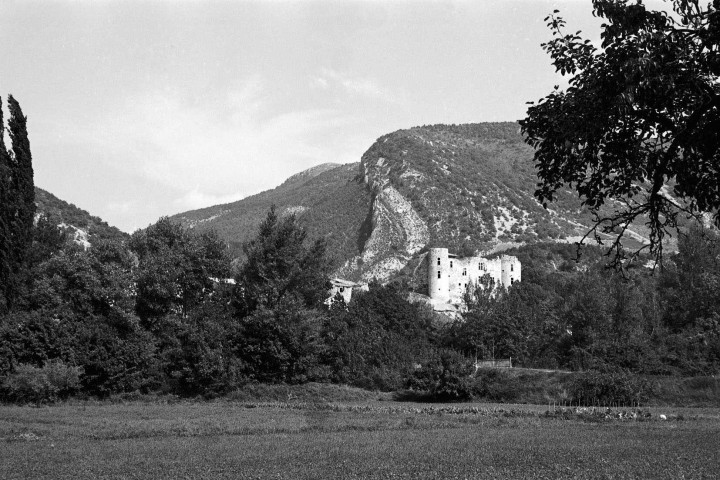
<point x="213" y="151"/>
<point x="197" y="199"/>
<point x="122" y="207"/>
<point x="320" y="82"/>
<point x="358" y="86"/>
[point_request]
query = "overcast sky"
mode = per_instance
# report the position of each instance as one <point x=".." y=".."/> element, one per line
<point x="138" y="109"/>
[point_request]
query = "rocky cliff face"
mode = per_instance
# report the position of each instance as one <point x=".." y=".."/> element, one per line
<point x="398" y="233"/>
<point x="468" y="188"/>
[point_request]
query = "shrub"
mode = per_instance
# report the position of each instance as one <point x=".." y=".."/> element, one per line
<point x="452" y="387"/>
<point x="496" y="385"/>
<point x="447" y="379"/>
<point x="607" y="388"/>
<point x="53" y="381"/>
<point x="423" y="379"/>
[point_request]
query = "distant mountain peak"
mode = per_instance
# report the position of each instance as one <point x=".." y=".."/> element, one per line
<point x="309" y="173"/>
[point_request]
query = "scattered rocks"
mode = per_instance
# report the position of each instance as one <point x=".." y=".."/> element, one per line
<point x="27" y="437"/>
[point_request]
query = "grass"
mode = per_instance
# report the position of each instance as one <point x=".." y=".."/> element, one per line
<point x="360" y="438"/>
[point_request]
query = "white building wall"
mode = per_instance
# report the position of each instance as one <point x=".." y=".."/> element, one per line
<point x="345" y="292"/>
<point x="439" y="274"/>
<point x="456" y="274"/>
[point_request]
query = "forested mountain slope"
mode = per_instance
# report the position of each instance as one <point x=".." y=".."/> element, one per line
<point x="329" y="200"/>
<point x="79" y="224"/>
<point x="466" y="187"/>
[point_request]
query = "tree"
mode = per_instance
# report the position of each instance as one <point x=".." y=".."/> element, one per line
<point x="283" y="344"/>
<point x="81" y="311"/>
<point x="690" y="284"/>
<point x="376" y="342"/>
<point x="5" y="265"/>
<point x="177" y="269"/>
<point x="22" y="180"/>
<point x="639" y="119"/>
<point x="280" y="265"/>
<point x="17" y="201"/>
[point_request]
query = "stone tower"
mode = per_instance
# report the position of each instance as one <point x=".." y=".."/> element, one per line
<point x="439" y="274"/>
<point x="510" y="270"/>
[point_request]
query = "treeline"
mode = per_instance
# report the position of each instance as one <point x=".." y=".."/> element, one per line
<point x="581" y="315"/>
<point x="167" y="311"/>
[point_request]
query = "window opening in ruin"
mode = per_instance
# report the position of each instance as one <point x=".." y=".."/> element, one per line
<point x="450" y="263"/>
<point x="511" y="267"/>
<point x="342" y="289"/>
<point x="512" y="280"/>
<point x="438" y="260"/>
<point x="438" y="273"/>
<point x="464" y="271"/>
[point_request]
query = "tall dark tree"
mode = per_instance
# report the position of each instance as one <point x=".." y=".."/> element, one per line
<point x="17" y="210"/>
<point x="280" y="265"/>
<point x="637" y="131"/>
<point x="280" y="287"/>
<point x="689" y="287"/>
<point x="22" y="178"/>
<point x="5" y="217"/>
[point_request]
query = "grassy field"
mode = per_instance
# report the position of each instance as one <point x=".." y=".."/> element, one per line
<point x="353" y="439"/>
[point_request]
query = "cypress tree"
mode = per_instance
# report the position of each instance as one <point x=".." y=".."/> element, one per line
<point x="5" y="217"/>
<point x="18" y="206"/>
<point x="23" y="178"/>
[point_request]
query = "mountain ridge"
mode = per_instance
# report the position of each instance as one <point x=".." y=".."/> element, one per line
<point x="465" y="187"/>
<point x="82" y="227"/>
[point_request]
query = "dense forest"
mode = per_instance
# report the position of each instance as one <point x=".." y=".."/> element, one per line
<point x="165" y="310"/>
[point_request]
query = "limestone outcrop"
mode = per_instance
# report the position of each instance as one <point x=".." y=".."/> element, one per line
<point x="398" y="232"/>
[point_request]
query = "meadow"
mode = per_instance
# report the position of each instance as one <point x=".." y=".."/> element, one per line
<point x="356" y="438"/>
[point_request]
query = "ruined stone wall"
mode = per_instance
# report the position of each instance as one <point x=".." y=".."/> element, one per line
<point x="449" y="277"/>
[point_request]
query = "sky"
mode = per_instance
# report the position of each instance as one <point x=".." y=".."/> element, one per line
<point x="138" y="109"/>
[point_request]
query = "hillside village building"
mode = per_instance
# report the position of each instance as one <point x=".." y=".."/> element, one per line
<point x="345" y="289"/>
<point x="448" y="279"/>
<point x="449" y="275"/>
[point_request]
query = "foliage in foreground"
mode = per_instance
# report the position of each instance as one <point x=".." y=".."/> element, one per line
<point x="639" y="119"/>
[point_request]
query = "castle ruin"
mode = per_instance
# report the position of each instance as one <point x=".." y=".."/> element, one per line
<point x="449" y="275"/>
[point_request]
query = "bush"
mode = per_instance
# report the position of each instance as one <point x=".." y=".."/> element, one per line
<point x="607" y="388"/>
<point x="452" y="387"/>
<point x="496" y="385"/>
<point x="53" y="381"/>
<point x="423" y="379"/>
<point x="447" y="379"/>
